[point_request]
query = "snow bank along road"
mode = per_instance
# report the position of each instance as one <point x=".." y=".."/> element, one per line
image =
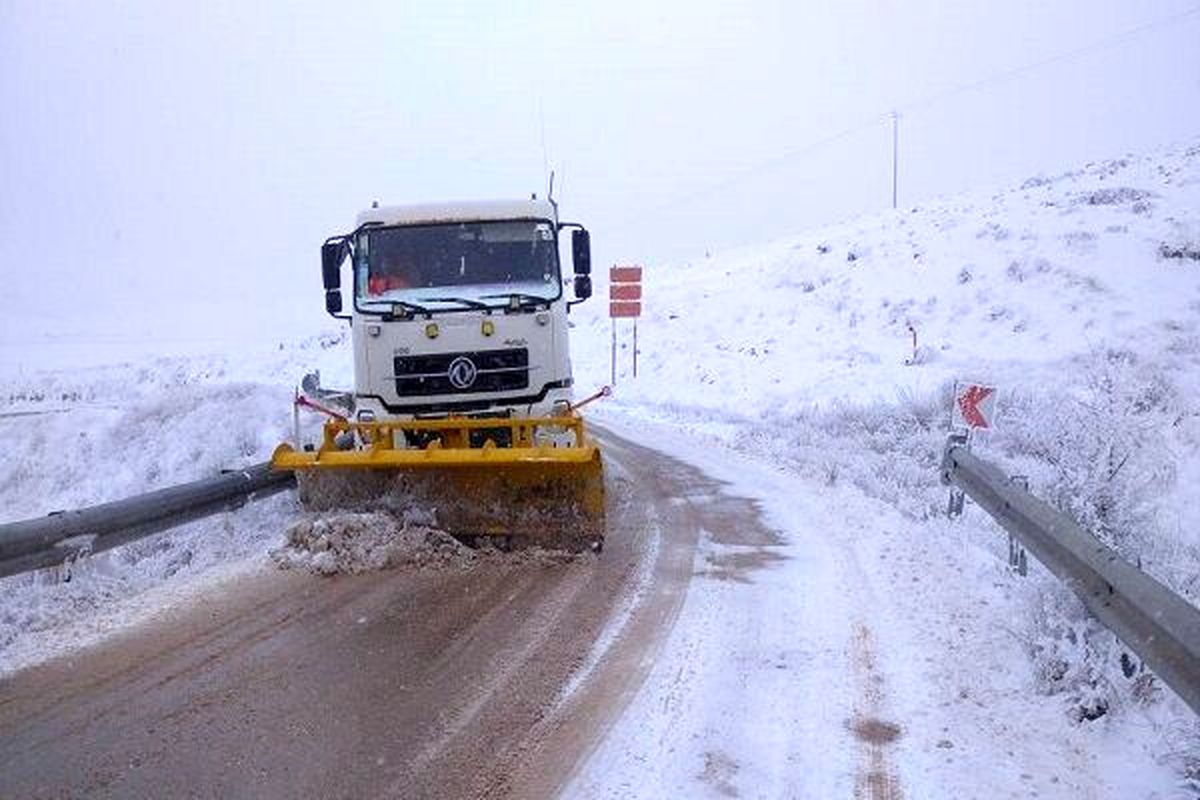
<point x="488" y="681"/>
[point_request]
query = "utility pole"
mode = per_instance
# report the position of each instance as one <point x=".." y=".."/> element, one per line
<point x="895" y="154"/>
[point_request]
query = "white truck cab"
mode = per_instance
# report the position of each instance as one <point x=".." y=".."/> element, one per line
<point x="458" y="308"/>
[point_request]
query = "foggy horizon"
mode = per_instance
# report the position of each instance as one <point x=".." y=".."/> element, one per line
<point x="204" y="154"/>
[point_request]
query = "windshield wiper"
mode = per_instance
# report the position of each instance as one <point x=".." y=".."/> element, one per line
<point x="464" y="300"/>
<point x="411" y="308"/>
<point x="522" y="299"/>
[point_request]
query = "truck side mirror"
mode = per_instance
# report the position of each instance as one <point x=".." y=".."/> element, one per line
<point x="581" y="253"/>
<point x="333" y="253"/>
<point x="583" y="287"/>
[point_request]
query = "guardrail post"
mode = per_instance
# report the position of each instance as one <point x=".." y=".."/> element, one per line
<point x="1018" y="560"/>
<point x="954" y="508"/>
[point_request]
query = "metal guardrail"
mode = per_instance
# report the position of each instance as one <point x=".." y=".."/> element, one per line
<point x="1158" y="625"/>
<point x="51" y="540"/>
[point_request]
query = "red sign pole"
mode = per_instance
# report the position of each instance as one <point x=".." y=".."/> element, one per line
<point x="613" y="358"/>
<point x="635" y="347"/>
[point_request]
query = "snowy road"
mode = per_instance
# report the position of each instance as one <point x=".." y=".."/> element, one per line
<point x="446" y="684"/>
<point x="770" y="684"/>
<point x="746" y="633"/>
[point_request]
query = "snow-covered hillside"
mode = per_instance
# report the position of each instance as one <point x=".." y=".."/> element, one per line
<point x="1005" y="286"/>
<point x="1064" y="292"/>
<point x="1077" y="294"/>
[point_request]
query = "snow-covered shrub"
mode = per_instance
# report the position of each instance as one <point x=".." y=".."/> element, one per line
<point x="1183" y="242"/>
<point x="888" y="450"/>
<point x="993" y="231"/>
<point x="1180" y="250"/>
<point x="1080" y="241"/>
<point x="1115" y="195"/>
<point x="1105" y="450"/>
<point x="1070" y="651"/>
<point x="1100" y="456"/>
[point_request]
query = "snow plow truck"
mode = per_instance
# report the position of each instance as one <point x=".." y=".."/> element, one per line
<point x="462" y="398"/>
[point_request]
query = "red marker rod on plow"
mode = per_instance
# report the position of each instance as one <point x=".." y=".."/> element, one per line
<point x="604" y="391"/>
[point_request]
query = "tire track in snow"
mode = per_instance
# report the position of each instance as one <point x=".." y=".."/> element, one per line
<point x="876" y="778"/>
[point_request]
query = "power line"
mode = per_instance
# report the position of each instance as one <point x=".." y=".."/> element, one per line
<point x="762" y="166"/>
<point x="895" y="155"/>
<point x="1013" y="72"/>
<point x="936" y="97"/>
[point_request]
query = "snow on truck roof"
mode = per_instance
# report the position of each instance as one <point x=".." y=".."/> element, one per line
<point x="468" y="211"/>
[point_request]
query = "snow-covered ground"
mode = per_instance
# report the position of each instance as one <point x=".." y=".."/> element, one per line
<point x="1078" y="295"/>
<point x="858" y="617"/>
<point x="785" y="365"/>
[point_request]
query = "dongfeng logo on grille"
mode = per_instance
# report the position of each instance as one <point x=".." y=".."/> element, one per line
<point x="462" y="372"/>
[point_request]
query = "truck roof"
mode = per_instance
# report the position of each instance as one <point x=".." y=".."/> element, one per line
<point x="463" y="211"/>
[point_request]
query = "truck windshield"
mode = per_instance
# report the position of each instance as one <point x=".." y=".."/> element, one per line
<point x="457" y="265"/>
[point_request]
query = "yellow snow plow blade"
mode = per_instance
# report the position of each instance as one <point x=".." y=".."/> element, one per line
<point x="527" y="480"/>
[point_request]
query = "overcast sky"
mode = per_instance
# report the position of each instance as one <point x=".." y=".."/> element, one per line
<point x="174" y="154"/>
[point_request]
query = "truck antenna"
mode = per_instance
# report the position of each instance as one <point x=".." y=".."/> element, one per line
<point x="542" y="127"/>
<point x="550" y="196"/>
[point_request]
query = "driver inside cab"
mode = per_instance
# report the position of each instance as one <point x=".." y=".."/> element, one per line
<point x="390" y="273"/>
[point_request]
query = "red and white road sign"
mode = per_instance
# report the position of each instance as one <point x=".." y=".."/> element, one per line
<point x="625" y="275"/>
<point x="974" y="406"/>
<point x="624" y="310"/>
<point x="625" y="292"/>
<point x="624" y="300"/>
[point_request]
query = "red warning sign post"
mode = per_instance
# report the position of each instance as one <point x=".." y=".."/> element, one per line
<point x="624" y="301"/>
<point x="972" y="410"/>
<point x="974" y="406"/>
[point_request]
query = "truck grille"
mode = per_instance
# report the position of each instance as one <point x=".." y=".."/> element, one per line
<point x="484" y="371"/>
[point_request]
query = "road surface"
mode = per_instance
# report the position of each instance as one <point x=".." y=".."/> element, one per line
<point x="490" y="682"/>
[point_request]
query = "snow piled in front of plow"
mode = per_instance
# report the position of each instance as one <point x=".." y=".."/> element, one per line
<point x="354" y="542"/>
